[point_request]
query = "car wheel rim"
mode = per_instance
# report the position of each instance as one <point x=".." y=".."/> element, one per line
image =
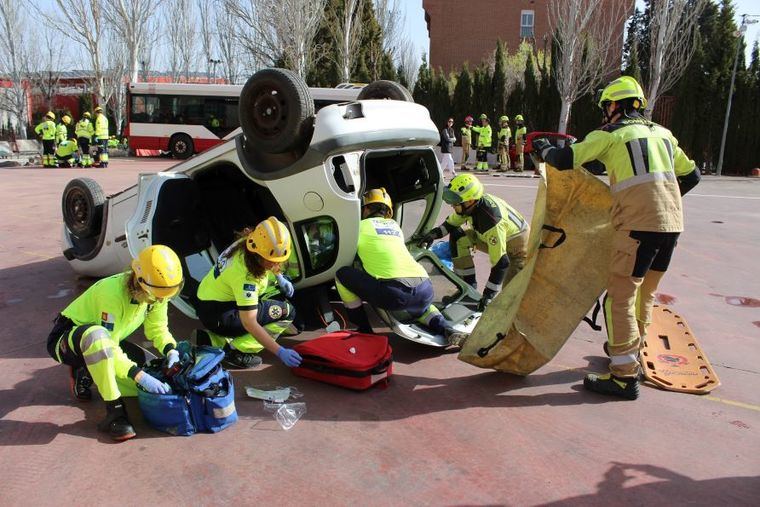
<point x="270" y="113"/>
<point x="180" y="147"/>
<point x="78" y="208"/>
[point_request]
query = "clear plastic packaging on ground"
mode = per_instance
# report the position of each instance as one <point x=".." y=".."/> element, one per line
<point x="289" y="413"/>
<point x="278" y="395"/>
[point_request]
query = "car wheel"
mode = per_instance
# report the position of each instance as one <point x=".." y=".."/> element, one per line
<point x="384" y="89"/>
<point x="181" y="146"/>
<point x="274" y="104"/>
<point x="82" y="205"/>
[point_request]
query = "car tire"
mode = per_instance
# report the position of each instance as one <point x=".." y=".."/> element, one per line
<point x="384" y="89"/>
<point x="274" y="105"/>
<point x="181" y="146"/>
<point x="82" y="205"/>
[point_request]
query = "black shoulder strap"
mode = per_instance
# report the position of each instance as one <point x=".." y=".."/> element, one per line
<point x="594" y="315"/>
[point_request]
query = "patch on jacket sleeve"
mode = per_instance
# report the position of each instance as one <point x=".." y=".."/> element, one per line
<point x="107" y="320"/>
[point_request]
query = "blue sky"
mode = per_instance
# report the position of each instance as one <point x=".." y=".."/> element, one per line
<point x="415" y="22"/>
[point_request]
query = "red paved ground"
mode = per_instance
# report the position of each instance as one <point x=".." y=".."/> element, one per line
<point x="443" y="433"/>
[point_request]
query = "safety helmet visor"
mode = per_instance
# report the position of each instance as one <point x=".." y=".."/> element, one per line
<point x="161" y="292"/>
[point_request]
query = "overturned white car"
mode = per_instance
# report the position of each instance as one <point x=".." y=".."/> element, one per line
<point x="309" y="170"/>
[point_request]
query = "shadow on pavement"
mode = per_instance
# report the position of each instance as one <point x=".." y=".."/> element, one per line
<point x="670" y="488"/>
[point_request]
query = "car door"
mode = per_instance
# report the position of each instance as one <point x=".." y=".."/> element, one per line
<point x="169" y="212"/>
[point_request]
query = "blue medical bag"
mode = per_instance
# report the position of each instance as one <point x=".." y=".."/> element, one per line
<point x="202" y="398"/>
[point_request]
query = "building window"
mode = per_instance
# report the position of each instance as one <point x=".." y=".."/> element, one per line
<point x="526" y="24"/>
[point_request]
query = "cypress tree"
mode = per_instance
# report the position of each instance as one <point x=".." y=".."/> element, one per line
<point x="440" y="108"/>
<point x="462" y="100"/>
<point x="498" y="84"/>
<point x="530" y="94"/>
<point x="387" y="70"/>
<point x="424" y="85"/>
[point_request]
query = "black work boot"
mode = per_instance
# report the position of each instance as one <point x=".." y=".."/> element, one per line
<point x="240" y="360"/>
<point x="116" y="422"/>
<point x="80" y="382"/>
<point x="359" y="317"/>
<point x="609" y="384"/>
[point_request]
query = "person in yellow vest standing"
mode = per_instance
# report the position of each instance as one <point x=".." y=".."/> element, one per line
<point x="46" y="129"/>
<point x="520" y="133"/>
<point x="504" y="135"/>
<point x="84" y="131"/>
<point x="484" y="143"/>
<point x="62" y="130"/>
<point x="89" y="335"/>
<point x="649" y="174"/>
<point x="466" y="133"/>
<point x="101" y="137"/>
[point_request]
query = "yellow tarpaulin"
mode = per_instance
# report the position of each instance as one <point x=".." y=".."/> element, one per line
<point x="566" y="271"/>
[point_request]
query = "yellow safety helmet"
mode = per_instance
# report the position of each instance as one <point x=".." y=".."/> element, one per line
<point x="50" y="114"/>
<point x="86" y="114"/>
<point x="378" y="196"/>
<point x="66" y="119"/>
<point x="98" y="109"/>
<point x="270" y="239"/>
<point x="624" y="87"/>
<point x="504" y="118"/>
<point x="464" y="187"/>
<point x="519" y="117"/>
<point x="158" y="271"/>
<point x="483" y="116"/>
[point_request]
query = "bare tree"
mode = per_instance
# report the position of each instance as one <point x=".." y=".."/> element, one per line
<point x="229" y="49"/>
<point x="409" y="63"/>
<point x="673" y="27"/>
<point x="14" y="65"/>
<point x="273" y="30"/>
<point x="181" y="38"/>
<point x="207" y="15"/>
<point x="115" y="77"/>
<point x="151" y="47"/>
<point x="46" y="74"/>
<point x="130" y="21"/>
<point x="83" y="22"/>
<point x="391" y="18"/>
<point x="585" y="31"/>
<point x="345" y="27"/>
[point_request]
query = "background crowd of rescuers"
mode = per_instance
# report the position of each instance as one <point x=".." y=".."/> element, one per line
<point x="649" y="173"/>
<point x="61" y="149"/>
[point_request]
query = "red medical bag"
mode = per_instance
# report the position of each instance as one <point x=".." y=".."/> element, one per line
<point x="347" y="359"/>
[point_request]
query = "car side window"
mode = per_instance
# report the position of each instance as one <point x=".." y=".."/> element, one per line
<point x="319" y="239"/>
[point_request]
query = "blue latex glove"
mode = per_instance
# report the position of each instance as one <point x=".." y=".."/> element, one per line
<point x="285" y="285"/>
<point x="290" y="357"/>
<point x="172" y="358"/>
<point x="153" y="385"/>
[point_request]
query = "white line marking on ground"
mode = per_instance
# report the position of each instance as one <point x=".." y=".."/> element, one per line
<point x="724" y="196"/>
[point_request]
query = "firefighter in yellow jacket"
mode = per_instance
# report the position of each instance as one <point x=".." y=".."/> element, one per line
<point x="504" y="135"/>
<point x="47" y="130"/>
<point x="484" y="143"/>
<point x="90" y="334"/>
<point x="648" y="175"/>
<point x="466" y="134"/>
<point x="62" y="130"/>
<point x="520" y="133"/>
<point x="84" y="131"/>
<point x="494" y="227"/>
<point x="101" y="137"/>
